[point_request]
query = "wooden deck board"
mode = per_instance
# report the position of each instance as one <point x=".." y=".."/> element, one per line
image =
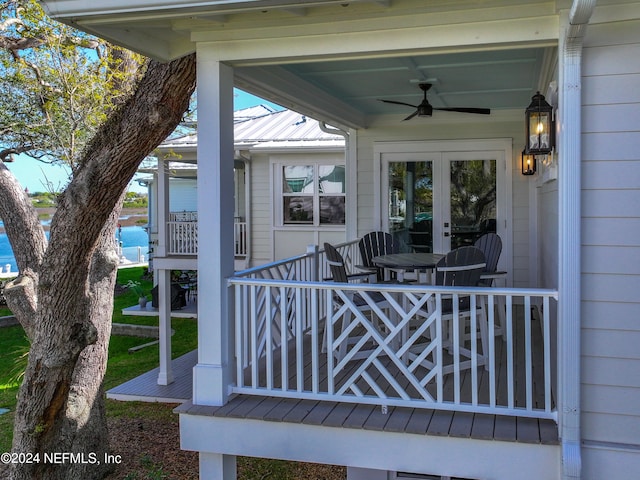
<point x="483" y="426"/>
<point x="419" y="422"/>
<point x="505" y="428"/>
<point x="262" y="409"/>
<point x="319" y="413"/>
<point x="145" y="387"/>
<point x="300" y="411"/>
<point x="339" y="414"/>
<point x="278" y="412"/>
<point x="398" y="420"/>
<point x="440" y="423"/>
<point x="377" y="420"/>
<point x="461" y="424"/>
<point x="358" y="416"/>
<point x="363" y="416"/>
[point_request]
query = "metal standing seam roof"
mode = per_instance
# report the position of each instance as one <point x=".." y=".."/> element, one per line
<point x="267" y="126"/>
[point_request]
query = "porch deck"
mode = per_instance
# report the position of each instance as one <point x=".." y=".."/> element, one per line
<point x="354" y="415"/>
<point x="145" y="388"/>
<point x="189" y="311"/>
<point x="420" y="421"/>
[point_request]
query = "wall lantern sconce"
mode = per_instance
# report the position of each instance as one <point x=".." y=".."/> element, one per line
<point x="528" y="163"/>
<point x="540" y="130"/>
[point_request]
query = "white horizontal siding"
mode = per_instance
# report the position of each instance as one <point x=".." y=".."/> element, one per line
<point x="610" y="316"/>
<point x="611" y="60"/>
<point x="610" y="118"/>
<point x="611" y="232"/>
<point x="615" y="400"/>
<point x="606" y="260"/>
<point x="610" y="463"/>
<point x="611" y="203"/>
<point x="619" y="429"/>
<point x="598" y="147"/>
<point x="611" y="251"/>
<point x="618" y="174"/>
<point x="611" y="90"/>
<point x="611" y="288"/>
<point x="621" y="344"/>
<point x="597" y="371"/>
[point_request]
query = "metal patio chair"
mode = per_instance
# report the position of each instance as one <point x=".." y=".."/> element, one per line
<point x="374" y="244"/>
<point x="461" y="267"/>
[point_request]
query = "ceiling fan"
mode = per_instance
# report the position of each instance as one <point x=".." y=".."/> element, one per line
<point x="426" y="110"/>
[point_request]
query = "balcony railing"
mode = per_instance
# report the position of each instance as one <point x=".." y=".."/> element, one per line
<point x="305" y="339"/>
<point x="182" y="235"/>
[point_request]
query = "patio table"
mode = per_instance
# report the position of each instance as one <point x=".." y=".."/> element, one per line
<point x="403" y="262"/>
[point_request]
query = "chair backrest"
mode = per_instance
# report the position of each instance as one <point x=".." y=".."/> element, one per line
<point x="491" y="246"/>
<point x="460" y="267"/>
<point x="336" y="264"/>
<point x="373" y="244"/>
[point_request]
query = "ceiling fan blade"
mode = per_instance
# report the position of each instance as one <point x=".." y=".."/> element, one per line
<point x="411" y="116"/>
<point x="480" y="111"/>
<point x="399" y="103"/>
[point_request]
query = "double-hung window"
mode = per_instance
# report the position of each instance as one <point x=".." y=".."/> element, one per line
<point x="313" y="194"/>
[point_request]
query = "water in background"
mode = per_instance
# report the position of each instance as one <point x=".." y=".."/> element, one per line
<point x="131" y="238"/>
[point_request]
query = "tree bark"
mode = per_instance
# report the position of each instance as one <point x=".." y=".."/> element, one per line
<point x="60" y="399"/>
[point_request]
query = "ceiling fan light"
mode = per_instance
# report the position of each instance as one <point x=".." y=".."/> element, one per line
<point x="425" y="111"/>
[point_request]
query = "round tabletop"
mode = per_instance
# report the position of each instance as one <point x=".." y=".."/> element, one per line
<point x="408" y="261"/>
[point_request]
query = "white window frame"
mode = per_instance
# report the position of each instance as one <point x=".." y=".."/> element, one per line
<point x="280" y="195"/>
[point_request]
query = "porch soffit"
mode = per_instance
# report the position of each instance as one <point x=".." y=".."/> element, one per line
<point x="165" y="29"/>
<point x="491" y="57"/>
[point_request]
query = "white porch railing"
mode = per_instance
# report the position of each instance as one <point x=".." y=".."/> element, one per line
<point x="182" y="238"/>
<point x="182" y="235"/>
<point x="402" y="353"/>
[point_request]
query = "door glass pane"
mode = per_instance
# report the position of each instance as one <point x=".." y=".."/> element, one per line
<point x="473" y="200"/>
<point x="411" y="205"/>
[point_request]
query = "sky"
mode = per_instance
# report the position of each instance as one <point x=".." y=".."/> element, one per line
<point x="35" y="175"/>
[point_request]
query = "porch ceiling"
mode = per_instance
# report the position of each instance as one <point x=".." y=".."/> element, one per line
<point x="491" y="56"/>
<point x="498" y="79"/>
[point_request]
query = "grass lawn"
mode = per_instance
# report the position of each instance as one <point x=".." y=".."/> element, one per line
<point x="148" y="417"/>
<point x="121" y="366"/>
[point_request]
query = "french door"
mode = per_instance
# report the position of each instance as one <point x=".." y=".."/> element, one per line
<point x="438" y="201"/>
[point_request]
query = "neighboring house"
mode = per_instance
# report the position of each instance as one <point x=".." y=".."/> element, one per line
<point x="570" y="232"/>
<point x="265" y="141"/>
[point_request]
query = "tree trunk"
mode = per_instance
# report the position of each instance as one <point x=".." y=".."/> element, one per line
<point x="60" y="402"/>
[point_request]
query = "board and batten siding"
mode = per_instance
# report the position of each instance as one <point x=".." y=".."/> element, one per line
<point x="261" y="241"/>
<point x="498" y="125"/>
<point x="611" y="250"/>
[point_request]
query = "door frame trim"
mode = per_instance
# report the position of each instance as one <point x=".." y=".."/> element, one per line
<point x="504" y="181"/>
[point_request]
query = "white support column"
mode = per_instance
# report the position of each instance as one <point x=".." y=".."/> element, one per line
<point x="214" y="372"/>
<point x="216" y="466"/>
<point x="163" y="208"/>
<point x="165" y="375"/>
